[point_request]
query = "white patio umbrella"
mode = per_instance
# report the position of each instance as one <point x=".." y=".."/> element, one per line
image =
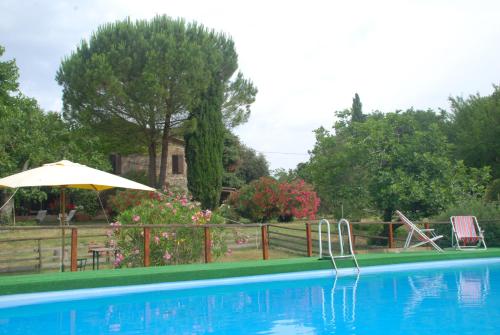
<point x="65" y="174"/>
<point x="71" y="175"/>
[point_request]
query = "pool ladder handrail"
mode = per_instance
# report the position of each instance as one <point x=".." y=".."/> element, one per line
<point x="341" y="242"/>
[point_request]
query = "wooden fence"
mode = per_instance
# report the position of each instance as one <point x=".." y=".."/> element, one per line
<point x="299" y="238"/>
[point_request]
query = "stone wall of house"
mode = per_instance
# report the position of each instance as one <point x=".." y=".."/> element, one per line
<point x="139" y="162"/>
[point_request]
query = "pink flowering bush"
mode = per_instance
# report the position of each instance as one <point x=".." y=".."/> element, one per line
<point x="266" y="199"/>
<point x="176" y="245"/>
<point x="126" y="199"/>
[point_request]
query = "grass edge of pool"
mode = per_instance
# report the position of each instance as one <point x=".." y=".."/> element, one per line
<point x="137" y="276"/>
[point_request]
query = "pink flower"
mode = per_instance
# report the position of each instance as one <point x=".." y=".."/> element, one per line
<point x="136" y="218"/>
<point x="166" y="255"/>
<point x="169" y="205"/>
<point x="118" y="260"/>
<point x="116" y="226"/>
<point x="157" y="239"/>
<point x="184" y="201"/>
<point x="207" y="214"/>
<point x="165" y="235"/>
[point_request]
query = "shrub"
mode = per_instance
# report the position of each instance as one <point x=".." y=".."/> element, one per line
<point x="257" y="201"/>
<point x="126" y="199"/>
<point x="297" y="199"/>
<point x="86" y="201"/>
<point x="266" y="199"/>
<point x="168" y="246"/>
<point x="493" y="191"/>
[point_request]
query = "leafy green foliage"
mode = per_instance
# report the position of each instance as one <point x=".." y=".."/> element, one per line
<point x="86" y="202"/>
<point x="241" y="164"/>
<point x="392" y="161"/>
<point x="493" y="191"/>
<point x="238" y="96"/>
<point x="144" y="79"/>
<point x="253" y="165"/>
<point x="205" y="145"/>
<point x="168" y="246"/>
<point x="475" y="130"/>
<point x="29" y="137"/>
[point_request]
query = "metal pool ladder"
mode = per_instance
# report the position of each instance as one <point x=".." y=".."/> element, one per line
<point x="341" y="242"/>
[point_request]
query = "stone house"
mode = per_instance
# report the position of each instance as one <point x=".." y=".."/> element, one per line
<point x="176" y="164"/>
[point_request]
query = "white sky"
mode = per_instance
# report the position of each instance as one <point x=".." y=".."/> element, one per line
<point x="307" y="58"/>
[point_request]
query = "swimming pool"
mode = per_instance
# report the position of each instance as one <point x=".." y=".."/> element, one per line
<point x="441" y="300"/>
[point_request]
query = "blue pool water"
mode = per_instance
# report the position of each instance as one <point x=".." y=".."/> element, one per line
<point x="462" y="300"/>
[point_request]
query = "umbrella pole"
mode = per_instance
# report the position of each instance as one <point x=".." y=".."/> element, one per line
<point x="63" y="218"/>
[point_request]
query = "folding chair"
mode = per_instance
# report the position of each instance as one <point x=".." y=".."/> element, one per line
<point x="420" y="234"/>
<point x="466" y="233"/>
<point x="68" y="217"/>
<point x="40" y="216"/>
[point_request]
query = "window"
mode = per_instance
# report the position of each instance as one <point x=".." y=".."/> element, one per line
<point x="177" y="164"/>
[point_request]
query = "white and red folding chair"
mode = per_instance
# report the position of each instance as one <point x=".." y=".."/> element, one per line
<point x="466" y="233"/>
<point x="423" y="239"/>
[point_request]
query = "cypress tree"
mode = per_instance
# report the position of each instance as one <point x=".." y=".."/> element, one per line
<point x="357" y="109"/>
<point x="204" y="148"/>
<point x="205" y="145"/>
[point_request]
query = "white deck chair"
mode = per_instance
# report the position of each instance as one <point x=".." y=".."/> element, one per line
<point x="466" y="233"/>
<point x="68" y="217"/>
<point x="419" y="234"/>
<point x="40" y="216"/>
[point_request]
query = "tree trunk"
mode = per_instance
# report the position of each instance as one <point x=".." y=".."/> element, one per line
<point x="162" y="182"/>
<point x="152" y="165"/>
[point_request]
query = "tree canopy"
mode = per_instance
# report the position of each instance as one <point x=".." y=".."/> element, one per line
<point x="391" y="161"/>
<point x="475" y="130"/>
<point x="141" y="79"/>
<point x="29" y="137"/>
<point x="241" y="163"/>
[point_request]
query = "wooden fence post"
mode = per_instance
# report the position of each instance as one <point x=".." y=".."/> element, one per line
<point x="309" y="239"/>
<point x="39" y="245"/>
<point x="147" y="237"/>
<point x="74" y="249"/>
<point x="265" y="242"/>
<point x="208" y="246"/>
<point x="426" y="225"/>
<point x="391" y="236"/>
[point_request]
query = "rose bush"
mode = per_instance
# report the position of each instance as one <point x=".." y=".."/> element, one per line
<point x="176" y="245"/>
